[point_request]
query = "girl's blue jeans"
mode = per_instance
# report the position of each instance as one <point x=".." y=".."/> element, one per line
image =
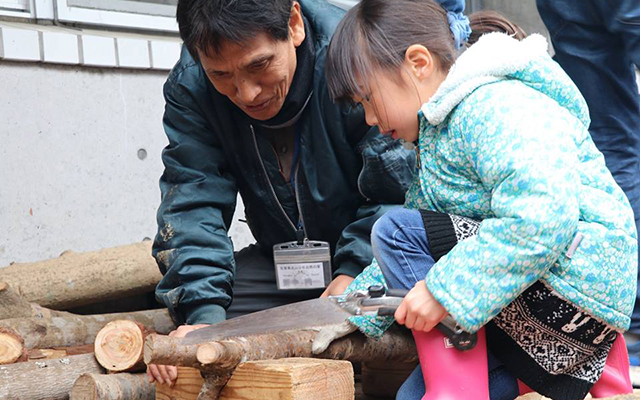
<point x="401" y="247"/>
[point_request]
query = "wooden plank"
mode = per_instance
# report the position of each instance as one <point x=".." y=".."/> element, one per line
<point x="291" y="379"/>
<point x="186" y="387"/>
<point x="283" y="379"/>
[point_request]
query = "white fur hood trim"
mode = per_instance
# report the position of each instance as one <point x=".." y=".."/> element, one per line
<point x="493" y="57"/>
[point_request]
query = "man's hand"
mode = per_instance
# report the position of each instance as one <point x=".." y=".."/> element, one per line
<point x="337" y="286"/>
<point x="420" y="310"/>
<point x="167" y="374"/>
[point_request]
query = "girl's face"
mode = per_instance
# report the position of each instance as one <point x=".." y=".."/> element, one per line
<point x="394" y="101"/>
<point x="393" y="105"/>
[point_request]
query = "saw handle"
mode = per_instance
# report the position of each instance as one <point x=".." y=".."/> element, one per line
<point x="460" y="339"/>
<point x="396" y="292"/>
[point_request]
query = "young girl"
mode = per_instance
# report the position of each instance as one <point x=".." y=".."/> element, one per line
<point x="513" y="225"/>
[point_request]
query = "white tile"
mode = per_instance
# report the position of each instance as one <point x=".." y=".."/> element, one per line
<point x="133" y="53"/>
<point x="164" y="54"/>
<point x="19" y="44"/>
<point x="60" y="47"/>
<point x="99" y="51"/>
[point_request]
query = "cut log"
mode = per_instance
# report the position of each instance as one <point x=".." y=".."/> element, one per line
<point x="186" y="387"/>
<point x="119" y="346"/>
<point x="59" y="352"/>
<point x="113" y="387"/>
<point x="291" y="378"/>
<point x="46" y="354"/>
<point x="76" y="330"/>
<point x="77" y="279"/>
<point x="11" y="346"/>
<point x="45" y="380"/>
<point x="12" y="305"/>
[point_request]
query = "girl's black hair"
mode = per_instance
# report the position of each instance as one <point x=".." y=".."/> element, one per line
<point x="375" y="34"/>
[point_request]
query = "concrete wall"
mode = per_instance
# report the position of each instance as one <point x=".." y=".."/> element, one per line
<point x="80" y="159"/>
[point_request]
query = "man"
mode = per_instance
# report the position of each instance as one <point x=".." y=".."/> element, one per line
<point x="247" y="111"/>
<point x="598" y="44"/>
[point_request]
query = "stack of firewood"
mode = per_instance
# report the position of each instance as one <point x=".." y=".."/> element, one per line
<point x="50" y="354"/>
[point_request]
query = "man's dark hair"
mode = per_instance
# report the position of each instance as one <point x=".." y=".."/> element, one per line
<point x="206" y="25"/>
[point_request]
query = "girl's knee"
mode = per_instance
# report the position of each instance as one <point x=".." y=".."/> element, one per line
<point x="393" y="220"/>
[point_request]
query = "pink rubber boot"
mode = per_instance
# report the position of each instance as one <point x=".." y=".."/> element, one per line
<point x="451" y="374"/>
<point x="615" y="378"/>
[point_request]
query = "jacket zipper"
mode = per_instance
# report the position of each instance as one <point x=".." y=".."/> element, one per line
<point x="273" y="192"/>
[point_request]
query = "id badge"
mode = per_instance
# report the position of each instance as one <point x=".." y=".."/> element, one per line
<point x="302" y="266"/>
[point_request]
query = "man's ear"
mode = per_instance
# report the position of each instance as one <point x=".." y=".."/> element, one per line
<point x="296" y="25"/>
<point x="420" y="61"/>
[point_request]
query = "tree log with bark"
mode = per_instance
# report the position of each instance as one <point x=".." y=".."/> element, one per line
<point x="12" y="305"/>
<point x="122" y="386"/>
<point x="119" y="346"/>
<point x="76" y="279"/>
<point x="45" y="380"/>
<point x="73" y="330"/>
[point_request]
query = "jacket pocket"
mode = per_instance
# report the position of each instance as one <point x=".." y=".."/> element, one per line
<point x="387" y="170"/>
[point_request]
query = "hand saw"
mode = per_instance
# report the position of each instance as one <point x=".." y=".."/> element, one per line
<point x="309" y="314"/>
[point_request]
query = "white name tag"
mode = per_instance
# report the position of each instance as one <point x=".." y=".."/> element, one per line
<point x="302" y="266"/>
<point x="300" y="276"/>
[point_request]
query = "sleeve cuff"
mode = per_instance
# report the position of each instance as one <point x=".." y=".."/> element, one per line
<point x="204" y="314"/>
<point x="348" y="268"/>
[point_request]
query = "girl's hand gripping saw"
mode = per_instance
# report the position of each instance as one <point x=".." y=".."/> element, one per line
<point x="378" y="301"/>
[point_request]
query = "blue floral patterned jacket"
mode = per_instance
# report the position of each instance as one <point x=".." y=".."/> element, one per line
<point x="504" y="140"/>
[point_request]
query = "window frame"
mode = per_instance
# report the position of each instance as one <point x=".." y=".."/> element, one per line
<point x="18" y="11"/>
<point x="113" y="19"/>
<point x="60" y="11"/>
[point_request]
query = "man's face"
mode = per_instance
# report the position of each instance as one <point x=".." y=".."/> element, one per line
<point x="256" y="75"/>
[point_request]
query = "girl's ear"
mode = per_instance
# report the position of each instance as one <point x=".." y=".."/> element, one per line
<point x="420" y="61"/>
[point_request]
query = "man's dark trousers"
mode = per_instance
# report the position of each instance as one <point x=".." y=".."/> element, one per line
<point x="597" y="42"/>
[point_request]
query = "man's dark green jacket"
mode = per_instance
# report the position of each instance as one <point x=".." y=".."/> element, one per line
<point x="346" y="171"/>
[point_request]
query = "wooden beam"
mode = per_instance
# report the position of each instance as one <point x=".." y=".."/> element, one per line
<point x="122" y="386"/>
<point x="76" y="279"/>
<point x="186" y="387"/>
<point x="291" y="379"/>
<point x="283" y="379"/>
